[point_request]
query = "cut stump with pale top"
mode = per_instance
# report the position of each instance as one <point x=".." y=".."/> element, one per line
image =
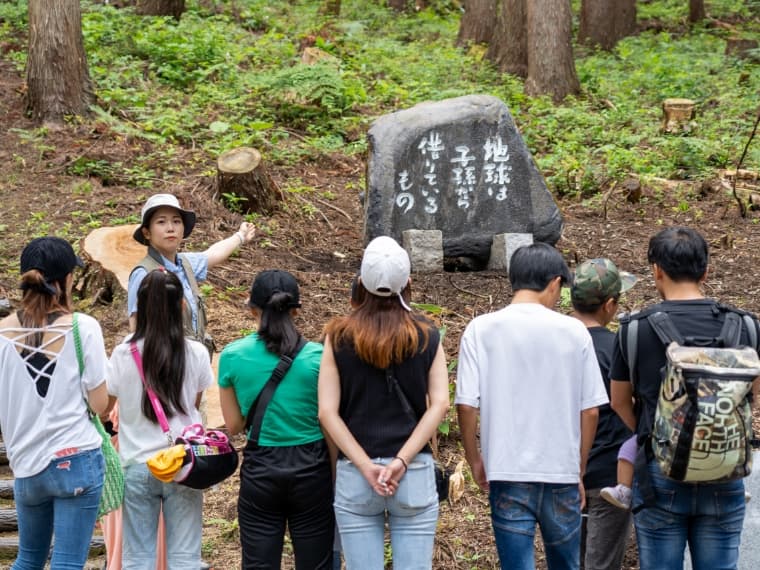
<point x="242" y="177"/>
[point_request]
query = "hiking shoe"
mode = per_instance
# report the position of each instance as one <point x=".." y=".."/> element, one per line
<point x="747" y="496"/>
<point x="619" y="495"/>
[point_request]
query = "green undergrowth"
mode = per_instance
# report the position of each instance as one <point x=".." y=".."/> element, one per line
<point x="230" y="74"/>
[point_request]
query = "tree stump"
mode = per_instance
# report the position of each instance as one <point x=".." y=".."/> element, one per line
<point x="8" y="520"/>
<point x="741" y="48"/>
<point x="677" y="115"/>
<point x="110" y="254"/>
<point x="243" y="181"/>
<point x="160" y="8"/>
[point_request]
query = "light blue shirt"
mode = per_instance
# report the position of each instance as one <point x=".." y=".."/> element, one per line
<point x="199" y="264"/>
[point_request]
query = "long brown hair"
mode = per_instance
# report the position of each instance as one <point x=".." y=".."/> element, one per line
<point x="41" y="298"/>
<point x="381" y="330"/>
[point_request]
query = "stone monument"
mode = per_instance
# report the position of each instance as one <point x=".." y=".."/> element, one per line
<point x="459" y="166"/>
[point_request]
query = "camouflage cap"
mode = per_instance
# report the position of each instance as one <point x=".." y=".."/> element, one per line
<point x="596" y="280"/>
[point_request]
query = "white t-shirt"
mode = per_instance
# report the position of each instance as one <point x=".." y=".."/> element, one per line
<point x="35" y="427"/>
<point x="139" y="438"/>
<point x="531" y="371"/>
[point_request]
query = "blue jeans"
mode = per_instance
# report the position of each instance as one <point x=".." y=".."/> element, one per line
<point x="412" y="516"/>
<point x="516" y="508"/>
<point x="63" y="501"/>
<point x="709" y="516"/>
<point x="144" y="497"/>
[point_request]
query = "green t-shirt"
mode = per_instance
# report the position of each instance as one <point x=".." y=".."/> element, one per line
<point x="291" y="417"/>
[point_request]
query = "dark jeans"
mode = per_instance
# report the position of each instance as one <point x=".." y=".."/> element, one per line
<point x="290" y="486"/>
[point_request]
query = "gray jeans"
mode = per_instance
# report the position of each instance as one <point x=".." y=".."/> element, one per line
<point x="607" y="528"/>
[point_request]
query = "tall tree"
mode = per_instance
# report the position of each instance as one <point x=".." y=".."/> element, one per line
<point x="478" y="22"/>
<point x="551" y="69"/>
<point x="57" y="77"/>
<point x="173" y="8"/>
<point x="697" y="10"/>
<point x="508" y="48"/>
<point x="605" y="22"/>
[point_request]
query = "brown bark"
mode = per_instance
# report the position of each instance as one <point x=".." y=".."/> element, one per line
<point x="331" y="7"/>
<point x="551" y="69"/>
<point x="677" y="115"/>
<point x="697" y="10"/>
<point x="57" y="77"/>
<point x="478" y="22"/>
<point x="3" y="454"/>
<point x="8" y="520"/>
<point x="605" y="22"/>
<point x="173" y="8"/>
<point x="241" y="172"/>
<point x="508" y="49"/>
<point x="6" y="489"/>
<point x="398" y="5"/>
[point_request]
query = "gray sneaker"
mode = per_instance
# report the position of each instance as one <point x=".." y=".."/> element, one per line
<point x="619" y="495"/>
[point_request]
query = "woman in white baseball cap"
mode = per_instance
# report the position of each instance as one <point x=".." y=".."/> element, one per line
<point x="383" y="391"/>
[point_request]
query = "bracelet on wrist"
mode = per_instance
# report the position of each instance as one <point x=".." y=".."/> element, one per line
<point x="402" y="462"/>
<point x="240" y="237"/>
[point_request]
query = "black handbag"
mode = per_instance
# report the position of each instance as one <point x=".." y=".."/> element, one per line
<point x="442" y="475"/>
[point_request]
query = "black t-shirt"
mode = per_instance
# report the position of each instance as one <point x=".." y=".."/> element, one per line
<point x="611" y="432"/>
<point x="701" y="318"/>
<point x="369" y="404"/>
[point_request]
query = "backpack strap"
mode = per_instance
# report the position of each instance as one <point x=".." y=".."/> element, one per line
<point x="631" y="349"/>
<point x="749" y="324"/>
<point x="664" y="328"/>
<point x="200" y="306"/>
<point x="731" y="333"/>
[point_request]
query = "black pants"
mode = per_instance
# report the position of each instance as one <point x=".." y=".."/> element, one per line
<point x="286" y="485"/>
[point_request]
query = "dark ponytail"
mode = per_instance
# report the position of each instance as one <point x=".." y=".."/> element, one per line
<point x="276" y="327"/>
<point x="160" y="326"/>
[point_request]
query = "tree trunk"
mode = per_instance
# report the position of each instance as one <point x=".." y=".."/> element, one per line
<point x="696" y="10"/>
<point x="241" y="175"/>
<point x="478" y="22"/>
<point x="551" y="69"/>
<point x="160" y="8"/>
<point x="6" y="489"/>
<point x="508" y="49"/>
<point x="57" y="78"/>
<point x="330" y="7"/>
<point x="398" y="5"/>
<point x="605" y="23"/>
<point x="3" y="454"/>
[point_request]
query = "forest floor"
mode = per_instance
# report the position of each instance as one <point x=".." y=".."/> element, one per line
<point x="320" y="241"/>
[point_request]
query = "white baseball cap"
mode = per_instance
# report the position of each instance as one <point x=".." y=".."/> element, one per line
<point x="385" y="268"/>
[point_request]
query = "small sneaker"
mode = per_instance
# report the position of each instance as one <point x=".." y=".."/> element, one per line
<point x="619" y="495"/>
<point x="747" y="496"/>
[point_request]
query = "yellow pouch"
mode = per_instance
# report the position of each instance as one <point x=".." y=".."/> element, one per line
<point x="165" y="464"/>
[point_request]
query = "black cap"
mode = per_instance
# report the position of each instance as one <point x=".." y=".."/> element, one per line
<point x="272" y="281"/>
<point x="52" y="256"/>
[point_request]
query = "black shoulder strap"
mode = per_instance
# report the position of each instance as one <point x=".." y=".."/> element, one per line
<point x="664" y="328"/>
<point x="731" y="332"/>
<point x="391" y="379"/>
<point x="749" y="324"/>
<point x="259" y="406"/>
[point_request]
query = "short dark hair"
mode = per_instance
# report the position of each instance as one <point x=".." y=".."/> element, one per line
<point x="534" y="266"/>
<point x="680" y="252"/>
<point x="591" y="309"/>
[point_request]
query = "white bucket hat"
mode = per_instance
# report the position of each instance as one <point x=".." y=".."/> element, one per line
<point x="385" y="268"/>
<point x="157" y="201"/>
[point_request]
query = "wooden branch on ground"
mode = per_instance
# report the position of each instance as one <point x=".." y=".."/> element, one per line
<point x="9" y="544"/>
<point x="742" y="207"/>
<point x="6" y="489"/>
<point x="8" y="520"/>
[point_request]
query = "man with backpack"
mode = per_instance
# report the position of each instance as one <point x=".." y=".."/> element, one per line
<point x="693" y="421"/>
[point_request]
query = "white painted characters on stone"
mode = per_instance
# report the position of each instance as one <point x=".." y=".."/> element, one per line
<point x="496" y="167"/>
<point x="464" y="176"/>
<point x="432" y="144"/>
<point x="404" y="199"/>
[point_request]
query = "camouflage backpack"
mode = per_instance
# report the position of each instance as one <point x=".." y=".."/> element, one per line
<point x="703" y="422"/>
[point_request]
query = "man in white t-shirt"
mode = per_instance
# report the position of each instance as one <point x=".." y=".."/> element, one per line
<point x="532" y="376"/>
